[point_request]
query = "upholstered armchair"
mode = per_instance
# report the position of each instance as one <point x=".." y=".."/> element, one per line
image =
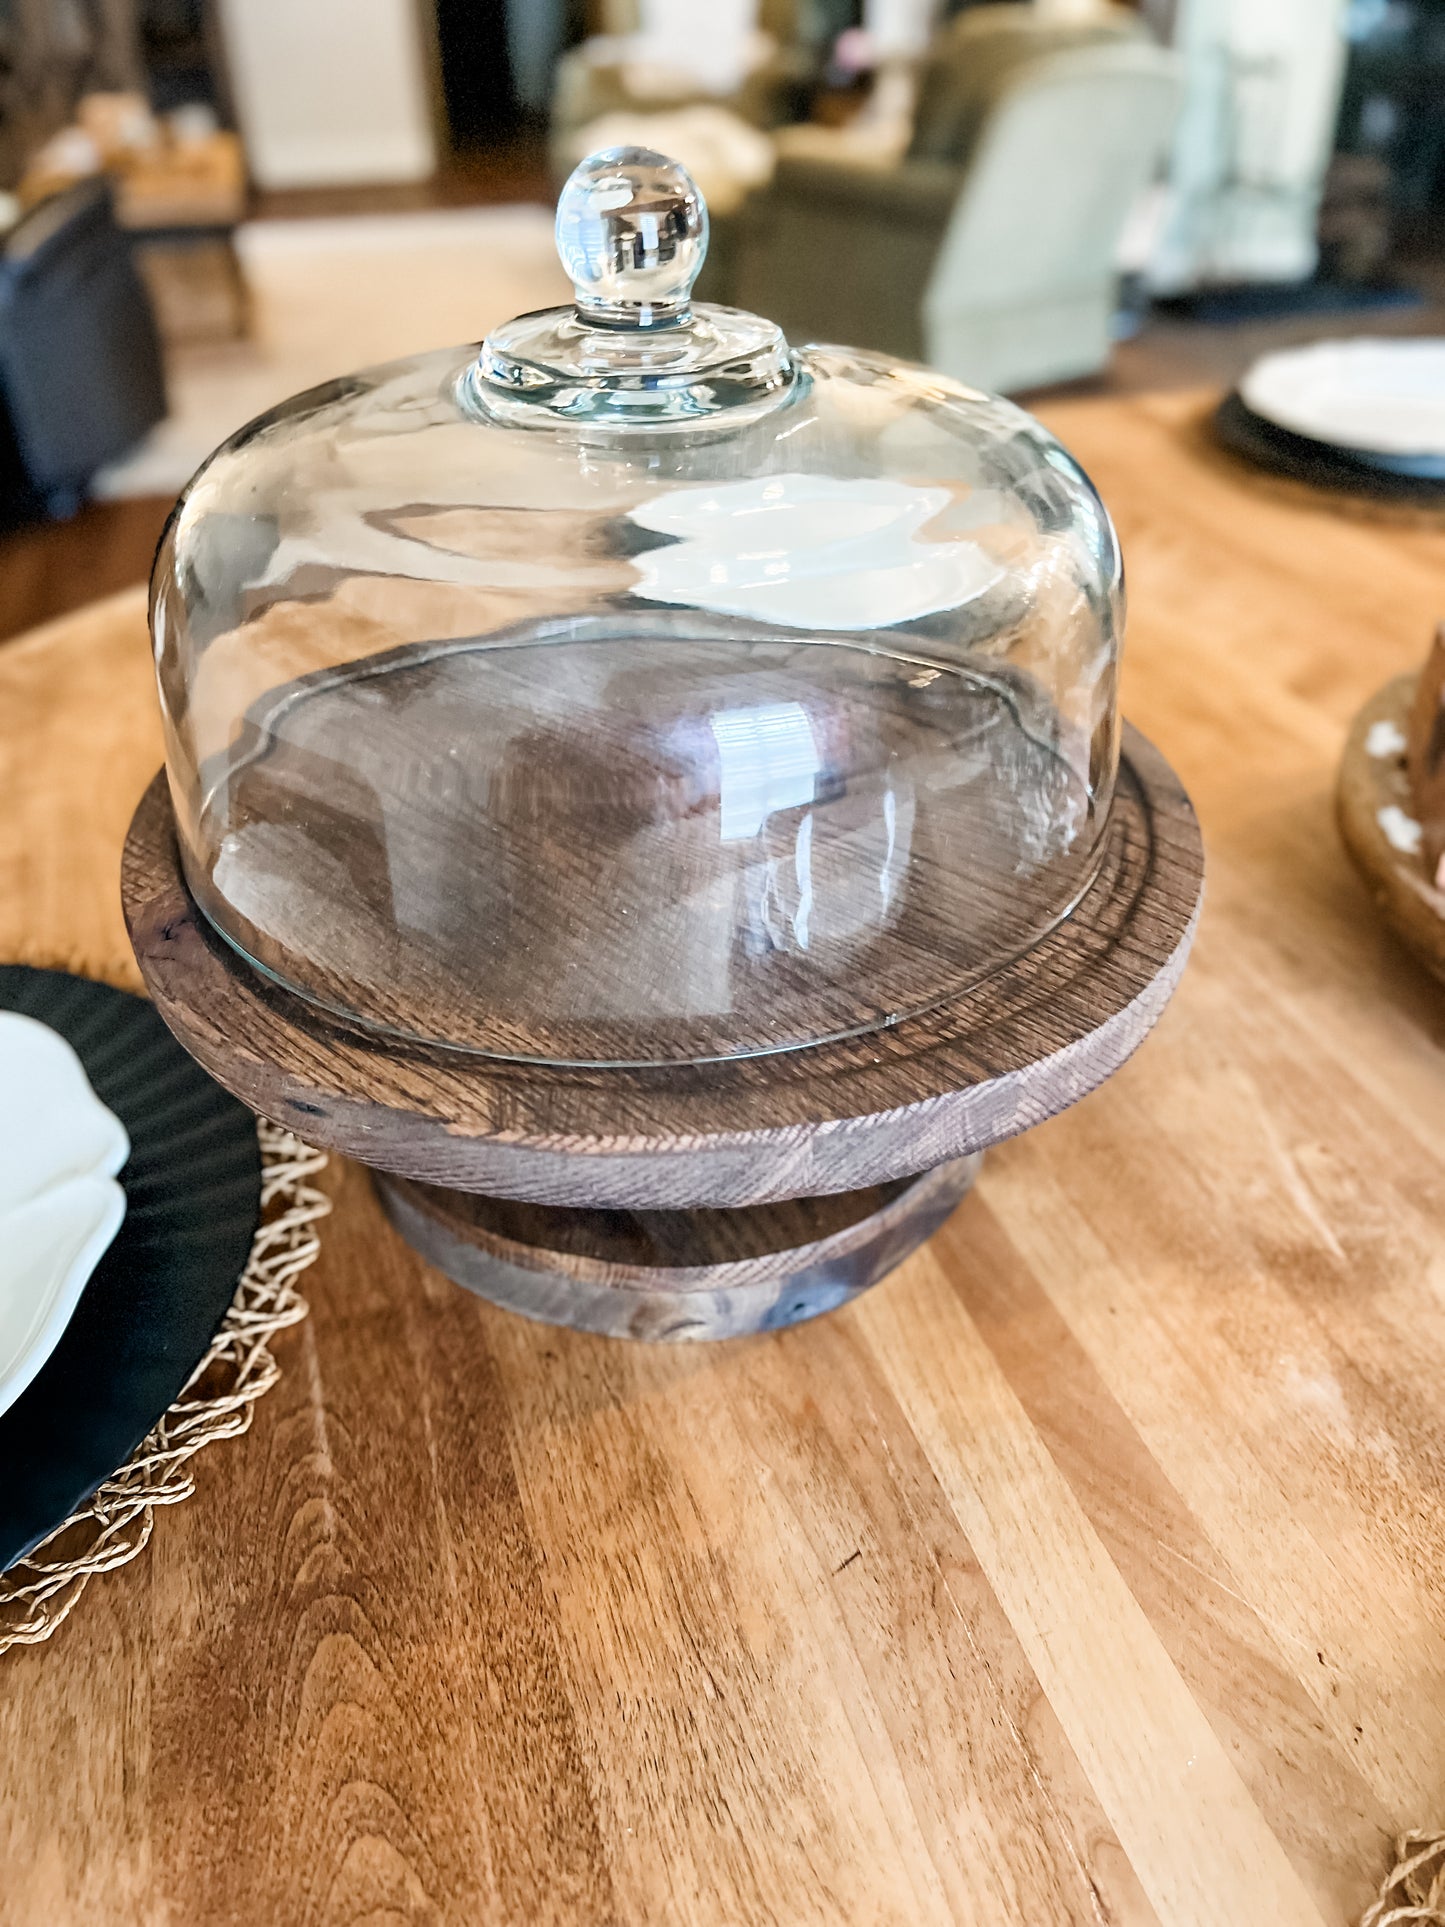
<point x="989" y="251"/>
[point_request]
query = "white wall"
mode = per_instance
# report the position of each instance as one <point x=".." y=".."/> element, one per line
<point x="329" y="91"/>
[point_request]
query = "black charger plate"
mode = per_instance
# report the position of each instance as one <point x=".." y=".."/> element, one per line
<point x="152" y="1305"/>
<point x="1418" y="479"/>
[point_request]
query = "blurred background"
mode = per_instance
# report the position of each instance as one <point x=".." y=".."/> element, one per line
<point x="206" y="205"/>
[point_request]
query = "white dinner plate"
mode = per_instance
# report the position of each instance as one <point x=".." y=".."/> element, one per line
<point x="1376" y="397"/>
<point x="60" y="1207"/>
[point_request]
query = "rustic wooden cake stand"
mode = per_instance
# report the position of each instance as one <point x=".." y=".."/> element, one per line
<point x="693" y="1200"/>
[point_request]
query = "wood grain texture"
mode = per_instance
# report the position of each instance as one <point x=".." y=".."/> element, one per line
<point x="1091" y="1569"/>
<point x="675" y="1274"/>
<point x="1034" y="1036"/>
<point x="55" y="567"/>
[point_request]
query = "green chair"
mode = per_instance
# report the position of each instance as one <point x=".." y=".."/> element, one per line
<point x="989" y="251"/>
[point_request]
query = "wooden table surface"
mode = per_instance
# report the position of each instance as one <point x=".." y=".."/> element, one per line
<point x="1092" y="1569"/>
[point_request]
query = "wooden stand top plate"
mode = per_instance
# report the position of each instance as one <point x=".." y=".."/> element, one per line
<point x="1034" y="1036"/>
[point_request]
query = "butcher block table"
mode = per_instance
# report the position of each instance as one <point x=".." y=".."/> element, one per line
<point x="1091" y="1569"/>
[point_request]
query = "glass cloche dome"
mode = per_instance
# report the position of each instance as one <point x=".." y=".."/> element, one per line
<point x="642" y="688"/>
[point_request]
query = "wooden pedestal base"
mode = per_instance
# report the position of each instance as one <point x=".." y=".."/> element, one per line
<point x="674" y="1274"/>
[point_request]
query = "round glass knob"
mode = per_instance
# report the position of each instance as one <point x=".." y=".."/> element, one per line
<point x="632" y="234"/>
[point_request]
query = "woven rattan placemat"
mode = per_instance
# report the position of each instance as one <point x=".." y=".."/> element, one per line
<point x="38" y="1592"/>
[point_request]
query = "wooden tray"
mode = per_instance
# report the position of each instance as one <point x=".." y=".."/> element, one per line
<point x="1370" y="784"/>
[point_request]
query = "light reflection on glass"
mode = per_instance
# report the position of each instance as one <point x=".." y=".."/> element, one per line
<point x="769" y="762"/>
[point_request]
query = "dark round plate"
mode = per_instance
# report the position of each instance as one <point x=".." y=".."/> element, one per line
<point x="1388" y="478"/>
<point x="193" y="1197"/>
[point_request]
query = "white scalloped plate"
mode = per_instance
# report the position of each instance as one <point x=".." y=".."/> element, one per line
<point x="60" y="1207"/>
<point x="809" y="551"/>
<point x="1380" y="397"/>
